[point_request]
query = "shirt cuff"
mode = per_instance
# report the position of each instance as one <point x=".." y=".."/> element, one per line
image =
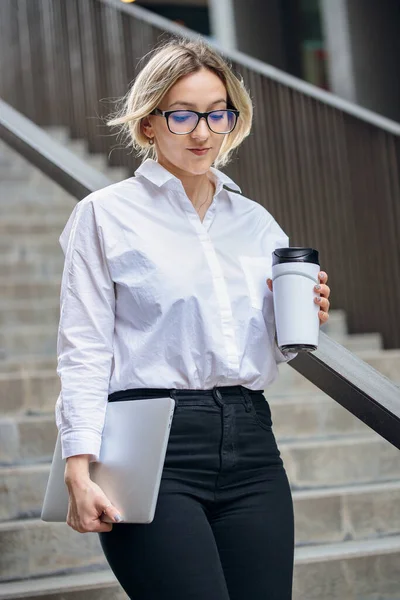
<point x="282" y="356"/>
<point x="81" y="442"/>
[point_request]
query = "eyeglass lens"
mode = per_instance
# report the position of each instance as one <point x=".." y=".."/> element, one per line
<point x="219" y="121"/>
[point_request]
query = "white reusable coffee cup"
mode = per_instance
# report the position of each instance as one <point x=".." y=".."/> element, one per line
<point x="294" y="275"/>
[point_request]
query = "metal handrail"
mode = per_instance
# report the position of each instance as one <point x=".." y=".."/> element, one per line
<point x="61" y="165"/>
<point x="353" y="383"/>
<point x="260" y="67"/>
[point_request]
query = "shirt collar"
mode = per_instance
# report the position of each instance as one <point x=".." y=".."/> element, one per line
<point x="159" y="175"/>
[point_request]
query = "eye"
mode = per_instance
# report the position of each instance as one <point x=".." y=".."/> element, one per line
<point x="218" y="116"/>
<point x="180" y="117"/>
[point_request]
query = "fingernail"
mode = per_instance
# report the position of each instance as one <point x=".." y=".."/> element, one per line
<point x="318" y="287"/>
<point x="322" y="274"/>
<point x="118" y="518"/>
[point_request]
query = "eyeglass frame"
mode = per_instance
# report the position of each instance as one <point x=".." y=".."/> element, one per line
<point x="200" y="115"/>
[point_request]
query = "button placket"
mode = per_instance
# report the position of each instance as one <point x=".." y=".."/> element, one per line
<point x="221" y="292"/>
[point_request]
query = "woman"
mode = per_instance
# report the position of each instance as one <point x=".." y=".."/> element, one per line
<point x="162" y="292"/>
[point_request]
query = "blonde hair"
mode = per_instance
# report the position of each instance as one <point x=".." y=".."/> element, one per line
<point x="169" y="62"/>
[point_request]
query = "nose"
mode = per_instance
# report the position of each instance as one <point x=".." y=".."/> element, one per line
<point x="202" y="131"/>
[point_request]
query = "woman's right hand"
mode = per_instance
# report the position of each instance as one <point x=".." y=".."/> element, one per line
<point x="87" y="502"/>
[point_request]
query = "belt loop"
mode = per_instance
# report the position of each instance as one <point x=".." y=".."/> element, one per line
<point x="217" y="396"/>
<point x="173" y="395"/>
<point x="248" y="403"/>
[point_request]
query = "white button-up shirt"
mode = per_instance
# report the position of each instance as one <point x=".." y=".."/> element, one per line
<point x="151" y="297"/>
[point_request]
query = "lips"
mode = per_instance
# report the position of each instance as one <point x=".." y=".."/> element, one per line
<point x="199" y="151"/>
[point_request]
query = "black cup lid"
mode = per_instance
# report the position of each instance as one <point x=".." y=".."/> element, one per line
<point x="295" y="254"/>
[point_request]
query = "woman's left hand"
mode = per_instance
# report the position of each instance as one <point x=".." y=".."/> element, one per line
<point x="322" y="300"/>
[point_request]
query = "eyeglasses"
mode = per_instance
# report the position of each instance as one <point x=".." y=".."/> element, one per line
<point x="182" y="122"/>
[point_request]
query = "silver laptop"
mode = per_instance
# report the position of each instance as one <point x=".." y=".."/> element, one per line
<point x="132" y="456"/>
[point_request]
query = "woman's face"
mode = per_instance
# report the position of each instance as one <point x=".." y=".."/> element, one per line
<point x="201" y="91"/>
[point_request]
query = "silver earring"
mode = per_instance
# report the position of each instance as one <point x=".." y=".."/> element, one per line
<point x="151" y="141"/>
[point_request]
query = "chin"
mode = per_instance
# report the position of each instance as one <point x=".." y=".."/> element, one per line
<point x="199" y="167"/>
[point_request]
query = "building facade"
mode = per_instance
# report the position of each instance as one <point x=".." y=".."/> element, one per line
<point x="349" y="47"/>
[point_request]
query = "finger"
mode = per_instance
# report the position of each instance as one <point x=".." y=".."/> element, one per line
<point x="322" y="289"/>
<point x="103" y="527"/>
<point x="323" y="316"/>
<point x="323" y="277"/>
<point x="325" y="291"/>
<point x="269" y="283"/>
<point x="323" y="302"/>
<point x="111" y="512"/>
<point x="88" y="525"/>
<point x="94" y="527"/>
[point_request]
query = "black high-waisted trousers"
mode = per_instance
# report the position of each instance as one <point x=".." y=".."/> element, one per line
<point x="224" y="526"/>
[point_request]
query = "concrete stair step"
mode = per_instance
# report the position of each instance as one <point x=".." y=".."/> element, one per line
<point x="59" y="133"/>
<point x="77" y="146"/>
<point x="80" y="148"/>
<point x="313" y="462"/>
<point x="27" y="439"/>
<point x="386" y="362"/>
<point x="19" y="198"/>
<point x="21" y="313"/>
<point x="19" y="173"/>
<point x="358" y="342"/>
<point x="10" y="157"/>
<point x="39" y="183"/>
<point x="93" y="585"/>
<point x="36" y="267"/>
<point x="22" y="491"/>
<point x="359" y="570"/>
<point x="25" y="391"/>
<point x="29" y="339"/>
<point x="97" y="161"/>
<point x="37" y="248"/>
<point x="13" y="167"/>
<point x="339" y="460"/>
<point x="13" y="225"/>
<point x="312" y="416"/>
<point x="321" y="515"/>
<point x="12" y="164"/>
<point x="26" y="174"/>
<point x="343" y="513"/>
<point x="337" y="323"/>
<point x="20" y="289"/>
<point x="16" y="341"/>
<point x="32" y="548"/>
<point x="25" y="365"/>
<point x="349" y="570"/>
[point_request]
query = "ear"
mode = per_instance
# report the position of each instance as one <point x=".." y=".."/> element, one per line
<point x="147" y="128"/>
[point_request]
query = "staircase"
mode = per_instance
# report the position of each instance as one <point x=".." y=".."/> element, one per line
<point x="345" y="478"/>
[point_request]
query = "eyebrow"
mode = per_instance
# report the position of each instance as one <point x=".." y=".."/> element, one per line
<point x="189" y="104"/>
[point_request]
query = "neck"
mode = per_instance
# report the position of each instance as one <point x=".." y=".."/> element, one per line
<point x="195" y="186"/>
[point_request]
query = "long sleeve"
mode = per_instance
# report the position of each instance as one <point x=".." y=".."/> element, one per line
<point x="85" y="334"/>
<point x="280" y="356"/>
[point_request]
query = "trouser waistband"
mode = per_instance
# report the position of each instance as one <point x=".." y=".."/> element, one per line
<point x="220" y="395"/>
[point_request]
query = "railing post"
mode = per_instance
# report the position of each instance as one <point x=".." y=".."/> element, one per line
<point x="222" y="17"/>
